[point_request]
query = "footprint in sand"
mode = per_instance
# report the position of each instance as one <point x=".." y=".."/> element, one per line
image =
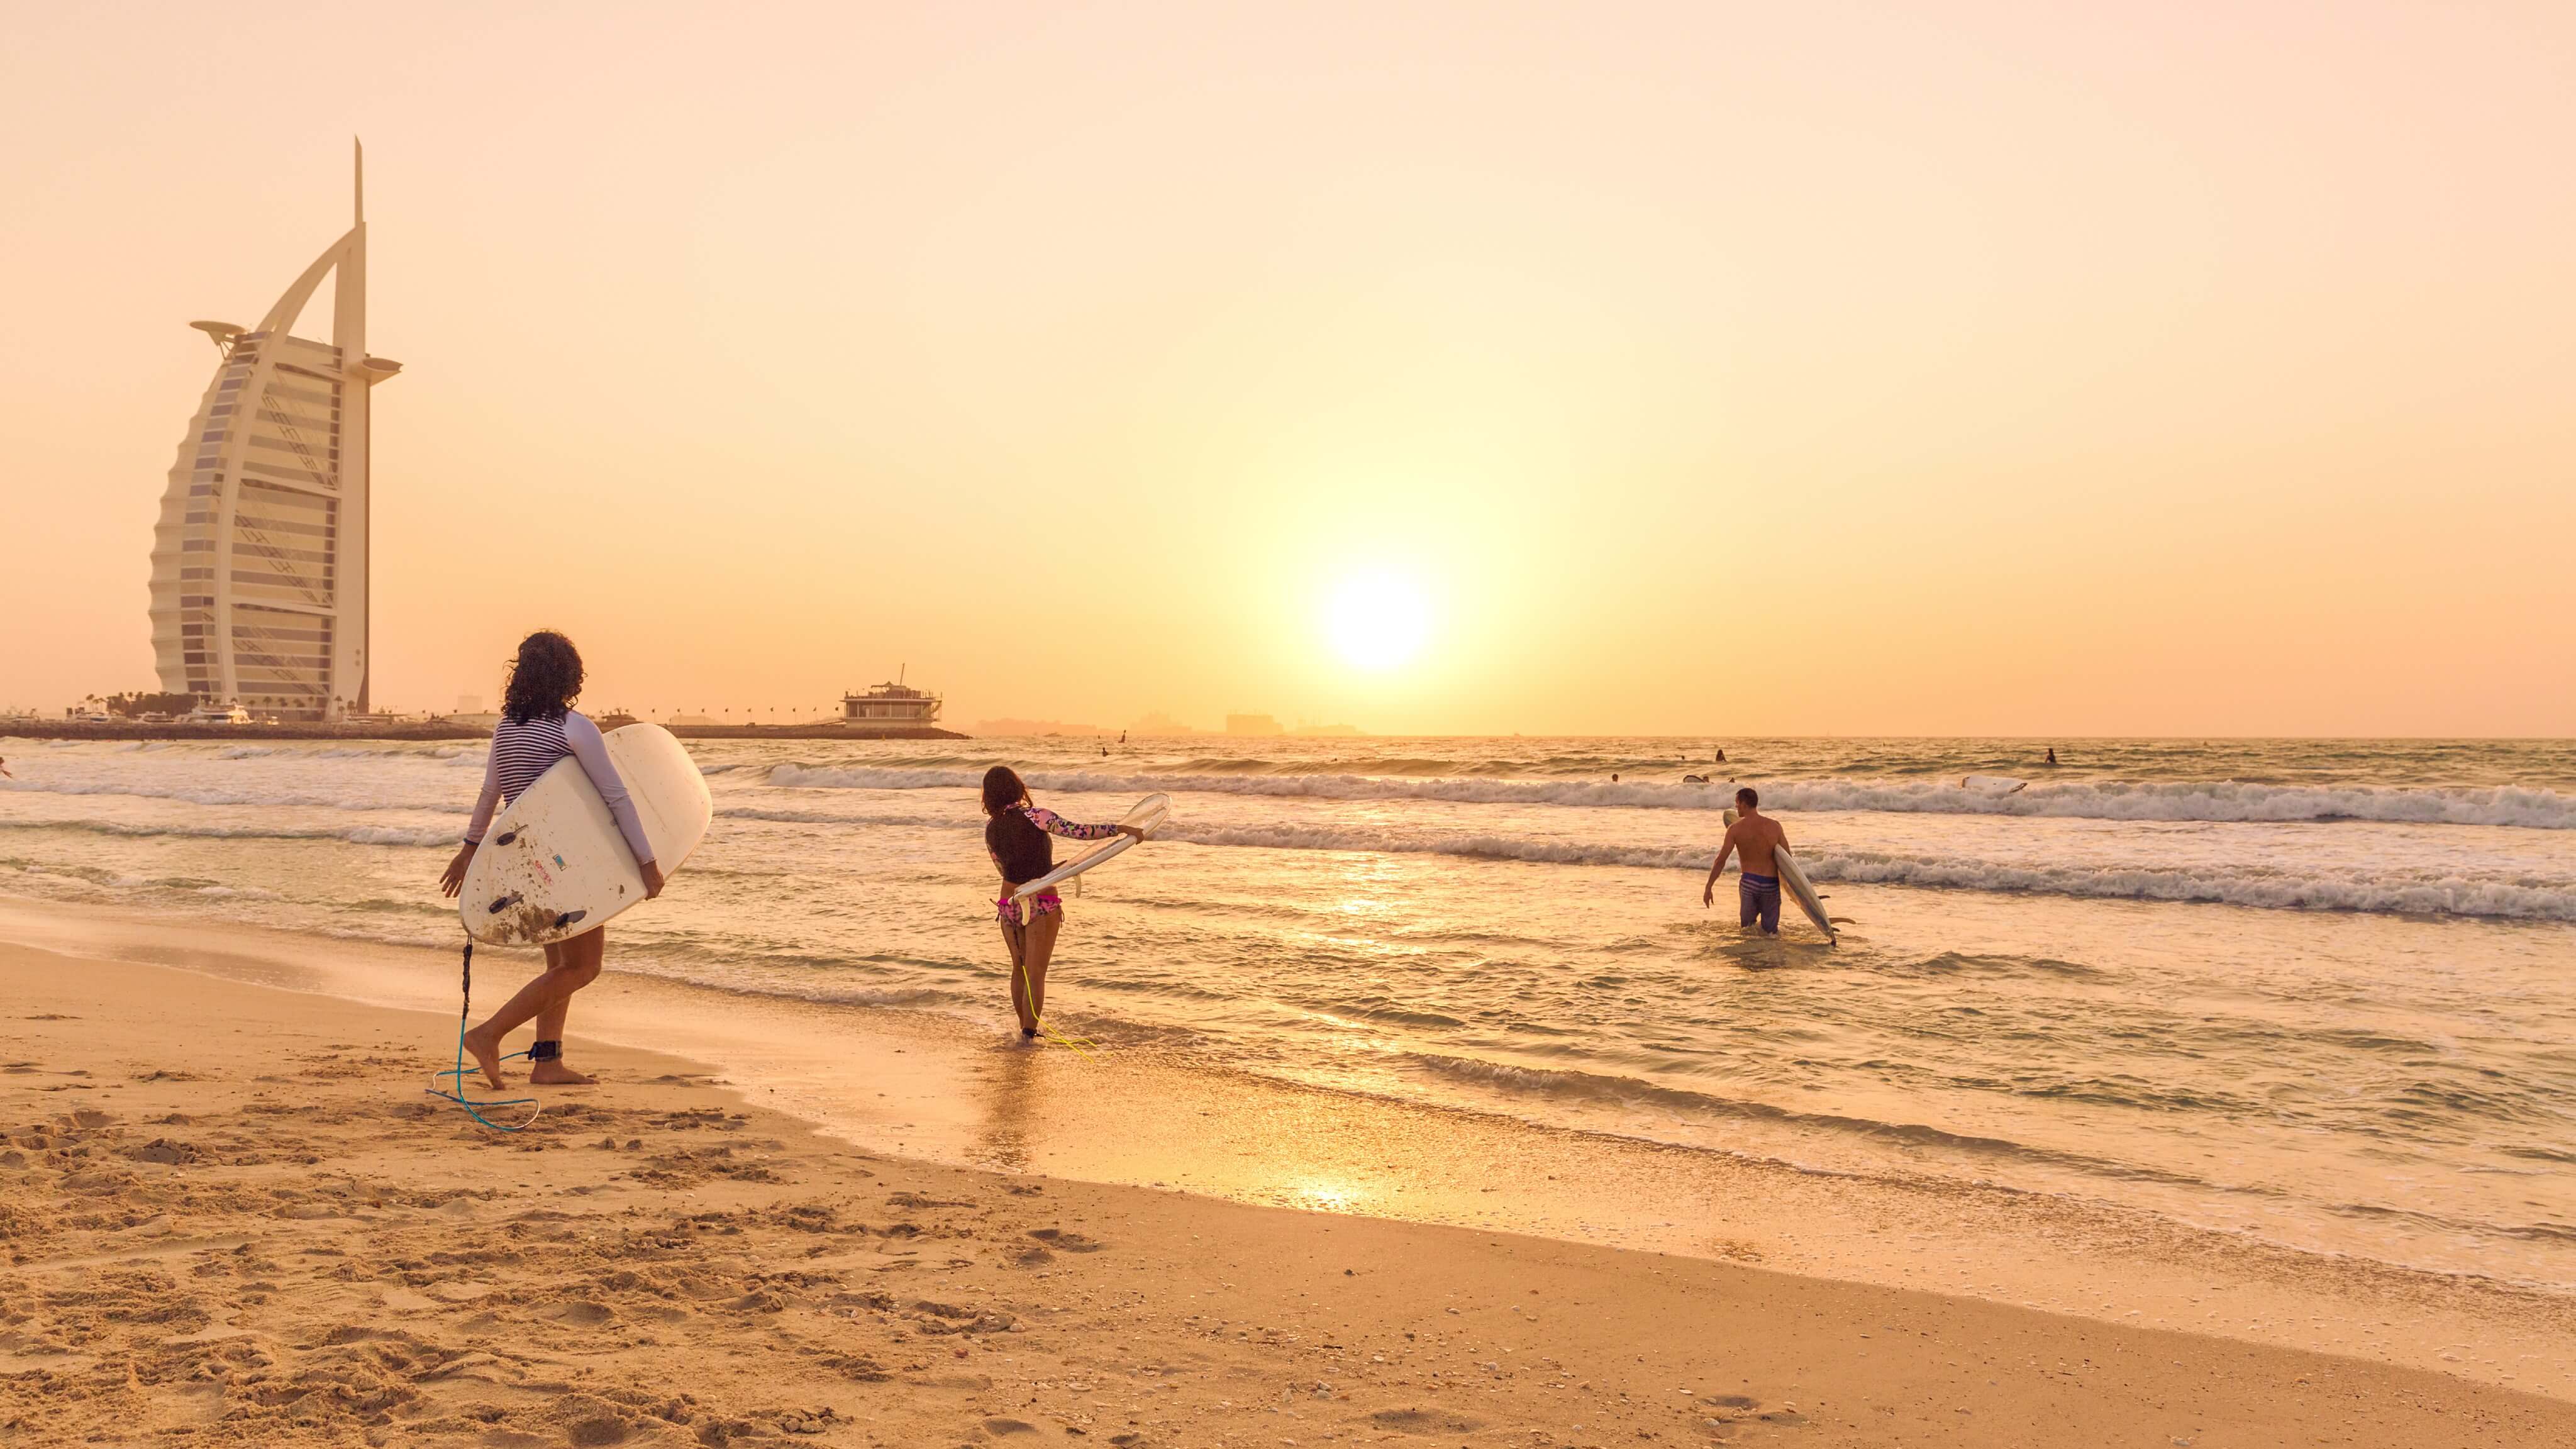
<point x="1423" y="1421"/>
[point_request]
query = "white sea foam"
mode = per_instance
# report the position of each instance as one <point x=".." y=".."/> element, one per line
<point x="2392" y="891"/>
<point x="829" y="817"/>
<point x="2220" y="801"/>
<point x="353" y="834"/>
<point x="193" y="794"/>
<point x="2408" y="892"/>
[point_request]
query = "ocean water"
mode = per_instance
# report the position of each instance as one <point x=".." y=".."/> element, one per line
<point x="2322" y="992"/>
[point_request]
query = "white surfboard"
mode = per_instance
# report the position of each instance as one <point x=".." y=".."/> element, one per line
<point x="554" y="865"/>
<point x="1793" y="876"/>
<point x="1148" y="816"/>
<point x="1991" y="784"/>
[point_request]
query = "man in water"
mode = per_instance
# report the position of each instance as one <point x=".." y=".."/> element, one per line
<point x="1757" y="890"/>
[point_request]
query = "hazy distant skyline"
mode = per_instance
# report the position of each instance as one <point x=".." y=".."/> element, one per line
<point x="1687" y="369"/>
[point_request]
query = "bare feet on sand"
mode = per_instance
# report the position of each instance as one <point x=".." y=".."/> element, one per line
<point x="556" y="1074"/>
<point x="486" y="1051"/>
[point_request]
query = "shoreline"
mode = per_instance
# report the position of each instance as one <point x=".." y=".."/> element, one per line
<point x="233" y="1213"/>
<point x="932" y="1088"/>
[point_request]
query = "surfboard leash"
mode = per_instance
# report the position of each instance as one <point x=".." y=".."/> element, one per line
<point x="474" y="1106"/>
<point x="1081" y="1046"/>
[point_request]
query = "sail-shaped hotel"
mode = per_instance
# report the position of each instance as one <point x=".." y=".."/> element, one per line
<point x="259" y="562"/>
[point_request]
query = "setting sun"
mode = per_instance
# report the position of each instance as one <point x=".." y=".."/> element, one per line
<point x="1377" y="620"/>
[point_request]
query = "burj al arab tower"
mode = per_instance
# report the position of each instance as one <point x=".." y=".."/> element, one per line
<point x="259" y="562"/>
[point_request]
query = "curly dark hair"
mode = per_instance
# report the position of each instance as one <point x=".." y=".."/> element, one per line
<point x="1002" y="789"/>
<point x="544" y="680"/>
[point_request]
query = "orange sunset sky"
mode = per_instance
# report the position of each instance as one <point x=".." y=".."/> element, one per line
<point x="1695" y="368"/>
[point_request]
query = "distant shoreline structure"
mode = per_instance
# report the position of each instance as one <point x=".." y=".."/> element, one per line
<point x="408" y="731"/>
<point x="1162" y="726"/>
<point x="893" y="703"/>
<point x="260" y="587"/>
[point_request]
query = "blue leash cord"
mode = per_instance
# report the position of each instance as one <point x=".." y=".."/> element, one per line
<point x="473" y="1108"/>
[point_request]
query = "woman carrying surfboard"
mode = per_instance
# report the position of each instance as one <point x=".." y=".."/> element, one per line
<point x="538" y="727"/>
<point x="1017" y="835"/>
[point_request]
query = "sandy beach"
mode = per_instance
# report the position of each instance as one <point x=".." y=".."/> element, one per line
<point x="1806" y="725"/>
<point x="232" y="1216"/>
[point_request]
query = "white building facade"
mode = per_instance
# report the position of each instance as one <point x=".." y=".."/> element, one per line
<point x="259" y="561"/>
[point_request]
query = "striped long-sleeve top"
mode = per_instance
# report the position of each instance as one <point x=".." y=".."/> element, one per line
<point x="524" y="749"/>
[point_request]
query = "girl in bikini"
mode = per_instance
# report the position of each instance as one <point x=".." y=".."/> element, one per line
<point x="1017" y="835"/>
<point x="538" y="727"/>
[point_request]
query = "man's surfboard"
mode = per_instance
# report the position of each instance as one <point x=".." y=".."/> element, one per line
<point x="1794" y="878"/>
<point x="1148" y="816"/>
<point x="554" y="864"/>
<point x="1991" y="784"/>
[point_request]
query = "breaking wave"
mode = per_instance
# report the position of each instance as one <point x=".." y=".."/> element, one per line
<point x="2517" y="806"/>
<point x="265" y="794"/>
<point x="353" y="834"/>
<point x="2401" y="893"/>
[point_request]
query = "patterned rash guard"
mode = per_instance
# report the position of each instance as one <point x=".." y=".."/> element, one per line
<point x="1045" y="902"/>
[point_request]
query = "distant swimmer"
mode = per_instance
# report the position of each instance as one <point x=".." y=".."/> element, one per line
<point x="1758" y="888"/>
<point x="2052" y="754"/>
<point x="1721" y="757"/>
<point x="1015" y="836"/>
<point x="538" y="727"/>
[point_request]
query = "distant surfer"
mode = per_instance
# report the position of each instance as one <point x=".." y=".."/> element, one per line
<point x="4" y="771"/>
<point x="1757" y="889"/>
<point x="1016" y="836"/>
<point x="538" y="727"/>
<point x="2052" y="754"/>
<point x="1721" y="757"/>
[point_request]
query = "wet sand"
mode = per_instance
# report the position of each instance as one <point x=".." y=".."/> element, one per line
<point x="230" y="1215"/>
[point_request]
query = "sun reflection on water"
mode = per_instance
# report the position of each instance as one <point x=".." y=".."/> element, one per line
<point x="1329" y="1196"/>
